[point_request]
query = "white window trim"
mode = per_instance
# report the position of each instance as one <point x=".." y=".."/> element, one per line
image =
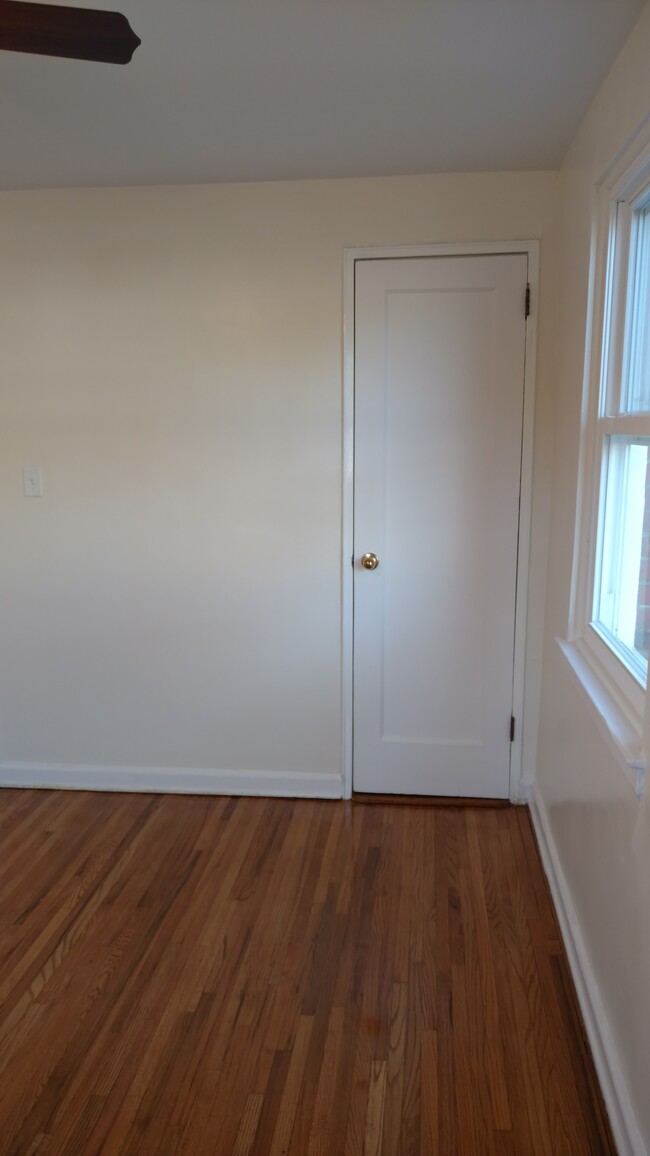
<point x="621" y="703"/>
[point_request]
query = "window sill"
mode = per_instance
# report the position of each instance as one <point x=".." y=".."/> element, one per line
<point x="623" y="738"/>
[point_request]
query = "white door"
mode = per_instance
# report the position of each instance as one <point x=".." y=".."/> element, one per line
<point x="439" y="383"/>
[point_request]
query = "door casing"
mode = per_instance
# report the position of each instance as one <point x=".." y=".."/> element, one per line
<point x="521" y="755"/>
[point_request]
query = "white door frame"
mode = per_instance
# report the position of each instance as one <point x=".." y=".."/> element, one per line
<point x="518" y="790"/>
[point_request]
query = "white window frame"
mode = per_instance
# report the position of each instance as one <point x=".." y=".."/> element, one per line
<point x="624" y="705"/>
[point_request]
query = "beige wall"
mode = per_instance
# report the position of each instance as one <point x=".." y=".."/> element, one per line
<point x="600" y="830"/>
<point x="172" y="359"/>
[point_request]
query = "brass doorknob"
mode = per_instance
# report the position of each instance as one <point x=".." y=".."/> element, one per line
<point x="370" y="561"/>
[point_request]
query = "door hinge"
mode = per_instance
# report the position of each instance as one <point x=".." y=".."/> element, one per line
<point x="512" y="728"/>
<point x="527" y="302"/>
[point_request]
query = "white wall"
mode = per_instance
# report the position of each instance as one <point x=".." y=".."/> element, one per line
<point x="598" y="830"/>
<point x="172" y="359"/>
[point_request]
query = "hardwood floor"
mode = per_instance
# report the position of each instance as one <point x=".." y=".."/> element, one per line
<point x="249" y="977"/>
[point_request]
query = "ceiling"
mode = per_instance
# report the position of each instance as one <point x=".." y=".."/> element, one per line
<point x="239" y="90"/>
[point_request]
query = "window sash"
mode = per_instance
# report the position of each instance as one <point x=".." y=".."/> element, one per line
<point x="636" y="357"/>
<point x="621" y="555"/>
<point x="623" y="411"/>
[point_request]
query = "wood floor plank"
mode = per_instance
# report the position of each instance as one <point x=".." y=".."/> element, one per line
<point x="376" y="1105"/>
<point x="321" y="1138"/>
<point x="291" y="1090"/>
<point x="191" y="976"/>
<point x="411" y="1100"/>
<point x="447" y="1084"/>
<point x="494" y="1043"/>
<point x="248" y="1125"/>
<point x="271" y="1104"/>
<point x="394" y="1095"/>
<point x="499" y="908"/>
<point x="429" y="1097"/>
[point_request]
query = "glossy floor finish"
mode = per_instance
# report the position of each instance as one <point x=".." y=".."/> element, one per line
<point x="233" y="977"/>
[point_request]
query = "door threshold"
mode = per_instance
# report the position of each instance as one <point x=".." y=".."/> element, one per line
<point x="427" y="800"/>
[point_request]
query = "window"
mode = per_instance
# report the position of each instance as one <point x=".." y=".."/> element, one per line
<point x="621" y="612"/>
<point x="616" y="588"/>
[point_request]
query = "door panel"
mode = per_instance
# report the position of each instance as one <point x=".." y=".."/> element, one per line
<point x="439" y="372"/>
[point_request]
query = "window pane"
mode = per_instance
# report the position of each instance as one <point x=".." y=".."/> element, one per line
<point x="636" y="372"/>
<point x="622" y="597"/>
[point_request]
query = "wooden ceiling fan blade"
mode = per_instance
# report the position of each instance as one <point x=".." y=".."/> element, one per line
<point x="78" y="33"/>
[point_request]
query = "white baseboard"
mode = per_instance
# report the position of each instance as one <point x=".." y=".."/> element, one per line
<point x="173" y="780"/>
<point x="627" y="1136"/>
